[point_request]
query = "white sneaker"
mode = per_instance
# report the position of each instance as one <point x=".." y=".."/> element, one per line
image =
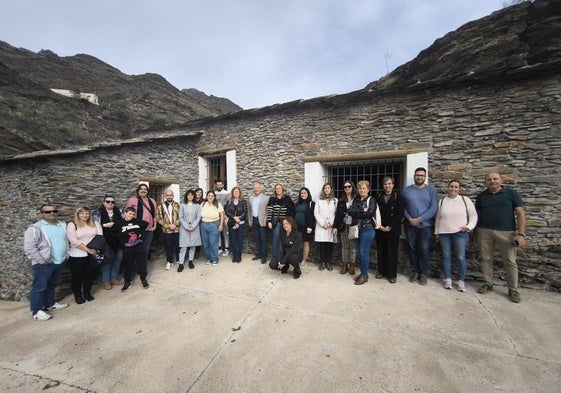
<point x="226" y="252"/>
<point x="461" y="286"/>
<point x="214" y="263"/>
<point x="57" y="306"/>
<point x="303" y="264"/>
<point x="41" y="316"/>
<point x="208" y="262"/>
<point x="447" y="283"/>
<point x="168" y="266"/>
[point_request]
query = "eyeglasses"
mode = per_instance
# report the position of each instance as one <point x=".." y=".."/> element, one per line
<point x="49" y="211"/>
<point x="347" y="186"/>
<point x="112" y="202"/>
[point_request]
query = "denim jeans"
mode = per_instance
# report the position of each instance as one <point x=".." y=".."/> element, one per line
<point x="147" y="242"/>
<point x="211" y="239"/>
<point x="457" y="241"/>
<point x="362" y="246"/>
<point x="260" y="236"/>
<point x="45" y="279"/>
<point x="418" y="240"/>
<point x="276" y="234"/>
<point x="236" y="240"/>
<point x="111" y="270"/>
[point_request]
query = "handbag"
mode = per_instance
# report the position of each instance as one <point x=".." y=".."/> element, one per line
<point x="97" y="259"/>
<point x="104" y="251"/>
<point x="353" y="232"/>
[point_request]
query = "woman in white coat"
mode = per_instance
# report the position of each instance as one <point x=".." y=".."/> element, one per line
<point x="189" y="231"/>
<point x="325" y="233"/>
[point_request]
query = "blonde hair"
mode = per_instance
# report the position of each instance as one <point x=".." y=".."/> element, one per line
<point x="363" y="183"/>
<point x="80" y="223"/>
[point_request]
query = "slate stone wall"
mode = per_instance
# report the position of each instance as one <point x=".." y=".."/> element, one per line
<point x="467" y="131"/>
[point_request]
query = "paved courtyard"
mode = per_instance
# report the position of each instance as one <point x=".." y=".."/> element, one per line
<point x="245" y="328"/>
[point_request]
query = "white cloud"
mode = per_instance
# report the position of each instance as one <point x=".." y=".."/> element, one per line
<point x="254" y="52"/>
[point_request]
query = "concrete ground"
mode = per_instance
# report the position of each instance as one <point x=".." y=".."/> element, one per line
<point x="245" y="328"/>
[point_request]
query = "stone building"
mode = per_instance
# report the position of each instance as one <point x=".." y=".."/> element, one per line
<point x="485" y="97"/>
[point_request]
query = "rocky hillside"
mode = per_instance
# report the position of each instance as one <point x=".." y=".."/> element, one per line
<point x="33" y="117"/>
<point x="523" y="35"/>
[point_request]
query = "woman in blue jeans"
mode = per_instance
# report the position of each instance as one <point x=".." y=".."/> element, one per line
<point x="455" y="218"/>
<point x="362" y="211"/>
<point x="212" y="220"/>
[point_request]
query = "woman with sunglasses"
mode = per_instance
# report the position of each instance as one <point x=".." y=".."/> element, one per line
<point x="342" y="223"/>
<point x="106" y="216"/>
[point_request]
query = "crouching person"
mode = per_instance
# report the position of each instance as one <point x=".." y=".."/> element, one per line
<point x="289" y="248"/>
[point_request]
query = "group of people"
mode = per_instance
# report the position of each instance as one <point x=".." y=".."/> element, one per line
<point x="218" y="223"/>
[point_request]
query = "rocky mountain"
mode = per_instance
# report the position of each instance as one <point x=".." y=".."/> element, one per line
<point x="53" y="102"/>
<point x="522" y="36"/>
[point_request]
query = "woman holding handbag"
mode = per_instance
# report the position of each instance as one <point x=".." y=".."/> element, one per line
<point x="363" y="211"/>
<point x="80" y="233"/>
<point x="343" y="222"/>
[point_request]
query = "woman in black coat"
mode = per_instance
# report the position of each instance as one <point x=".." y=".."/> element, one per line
<point x="387" y="236"/>
<point x="289" y="248"/>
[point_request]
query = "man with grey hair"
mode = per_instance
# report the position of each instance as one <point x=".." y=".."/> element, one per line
<point x="257" y="219"/>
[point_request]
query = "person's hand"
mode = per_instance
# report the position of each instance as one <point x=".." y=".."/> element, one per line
<point x="414" y="222"/>
<point x="270" y="225"/>
<point x="172" y="227"/>
<point x="280" y="266"/>
<point x="521" y="240"/>
<point x="108" y="224"/>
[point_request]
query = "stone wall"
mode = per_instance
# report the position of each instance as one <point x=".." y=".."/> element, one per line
<point x="511" y="125"/>
<point x="76" y="180"/>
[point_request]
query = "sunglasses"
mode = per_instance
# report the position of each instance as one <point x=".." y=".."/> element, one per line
<point x="347" y="186"/>
<point x="49" y="211"/>
<point x="112" y="202"/>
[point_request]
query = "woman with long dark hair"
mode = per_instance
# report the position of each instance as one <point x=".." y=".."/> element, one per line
<point x="304" y="217"/>
<point x="342" y="223"/>
<point x="387" y="235"/>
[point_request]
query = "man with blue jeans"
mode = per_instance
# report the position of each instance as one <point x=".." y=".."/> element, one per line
<point x="46" y="245"/>
<point x="421" y="205"/>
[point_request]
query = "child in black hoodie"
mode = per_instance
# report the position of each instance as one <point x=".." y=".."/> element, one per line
<point x="131" y="232"/>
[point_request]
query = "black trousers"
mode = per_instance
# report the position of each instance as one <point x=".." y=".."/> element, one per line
<point x="325" y="251"/>
<point x="294" y="261"/>
<point x="134" y="256"/>
<point x="83" y="273"/>
<point x="387" y="245"/>
<point x="172" y="246"/>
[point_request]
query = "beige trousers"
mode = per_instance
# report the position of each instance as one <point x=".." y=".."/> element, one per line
<point x="488" y="240"/>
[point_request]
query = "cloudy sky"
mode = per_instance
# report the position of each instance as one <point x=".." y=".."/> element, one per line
<point x="254" y="52"/>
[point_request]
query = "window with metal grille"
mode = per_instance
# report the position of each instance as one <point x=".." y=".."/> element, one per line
<point x="372" y="170"/>
<point x="217" y="170"/>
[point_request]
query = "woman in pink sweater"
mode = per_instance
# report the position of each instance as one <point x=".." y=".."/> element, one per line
<point x="455" y="218"/>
